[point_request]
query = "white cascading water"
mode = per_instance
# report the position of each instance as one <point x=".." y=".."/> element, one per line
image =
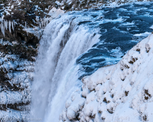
<point x="55" y="71"/>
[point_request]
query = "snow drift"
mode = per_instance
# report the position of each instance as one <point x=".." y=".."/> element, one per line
<point x="117" y="93"/>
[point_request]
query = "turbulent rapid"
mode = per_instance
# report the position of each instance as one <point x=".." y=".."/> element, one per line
<point x="77" y="44"/>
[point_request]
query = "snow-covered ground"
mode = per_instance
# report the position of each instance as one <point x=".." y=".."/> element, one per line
<point x="117" y="93"/>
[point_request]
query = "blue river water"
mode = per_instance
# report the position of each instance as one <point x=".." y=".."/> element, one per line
<point x="120" y="28"/>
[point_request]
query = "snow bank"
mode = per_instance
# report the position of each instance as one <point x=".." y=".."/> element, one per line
<point x="117" y="93"/>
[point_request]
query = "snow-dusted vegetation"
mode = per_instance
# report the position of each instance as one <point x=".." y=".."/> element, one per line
<point x="15" y="87"/>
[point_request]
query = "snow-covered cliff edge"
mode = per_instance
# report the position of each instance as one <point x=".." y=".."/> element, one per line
<point x="117" y="93"/>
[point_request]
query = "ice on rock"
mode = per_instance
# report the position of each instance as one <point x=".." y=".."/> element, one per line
<point x="6" y="24"/>
<point x="2" y="29"/>
<point x="10" y="26"/>
<point x="121" y="92"/>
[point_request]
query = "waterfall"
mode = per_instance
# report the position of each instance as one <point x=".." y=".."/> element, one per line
<point x="56" y="71"/>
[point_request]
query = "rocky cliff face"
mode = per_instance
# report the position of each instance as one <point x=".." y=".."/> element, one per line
<point x="19" y="38"/>
<point x="21" y="26"/>
<point x="15" y="83"/>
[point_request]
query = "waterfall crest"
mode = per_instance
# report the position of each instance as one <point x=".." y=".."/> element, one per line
<point x="55" y="71"/>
